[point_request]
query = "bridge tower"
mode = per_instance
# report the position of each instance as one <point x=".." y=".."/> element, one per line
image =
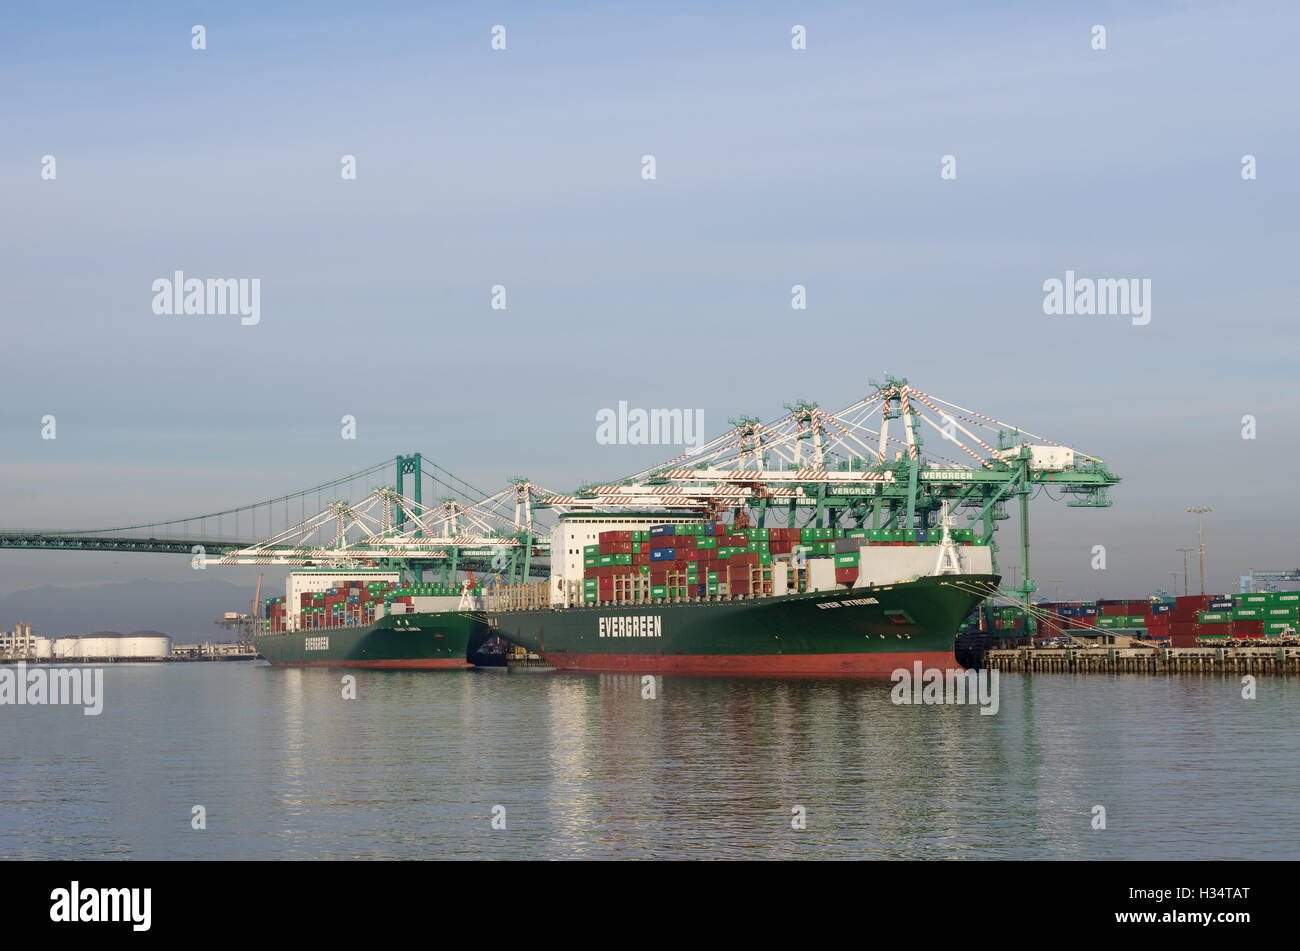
<point x="409" y="465"/>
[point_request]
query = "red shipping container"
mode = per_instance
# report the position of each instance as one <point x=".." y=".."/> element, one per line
<point x="846" y="574"/>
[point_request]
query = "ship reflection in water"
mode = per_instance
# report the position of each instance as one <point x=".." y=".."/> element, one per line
<point x="577" y="765"/>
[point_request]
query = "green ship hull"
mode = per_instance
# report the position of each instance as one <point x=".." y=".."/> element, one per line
<point x="435" y="640"/>
<point x="859" y="631"/>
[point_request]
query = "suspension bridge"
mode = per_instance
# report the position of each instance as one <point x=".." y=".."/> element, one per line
<point x="898" y="458"/>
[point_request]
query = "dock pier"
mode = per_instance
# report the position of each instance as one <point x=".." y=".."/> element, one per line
<point x="1146" y="660"/>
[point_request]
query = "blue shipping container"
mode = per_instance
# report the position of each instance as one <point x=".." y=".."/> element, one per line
<point x="657" y="530"/>
<point x="663" y="554"/>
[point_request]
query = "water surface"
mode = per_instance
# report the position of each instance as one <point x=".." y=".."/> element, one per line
<point x="586" y="768"/>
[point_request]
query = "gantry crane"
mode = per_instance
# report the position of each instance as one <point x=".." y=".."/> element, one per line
<point x="835" y="469"/>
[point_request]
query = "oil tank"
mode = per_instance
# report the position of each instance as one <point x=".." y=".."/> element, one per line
<point x="114" y="647"/>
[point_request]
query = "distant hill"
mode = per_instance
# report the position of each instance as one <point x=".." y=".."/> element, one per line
<point x="183" y="610"/>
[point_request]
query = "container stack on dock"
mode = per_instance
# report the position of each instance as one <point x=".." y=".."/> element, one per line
<point x="698" y="560"/>
<point x="1007" y="620"/>
<point x="1215" y="618"/>
<point x="1185" y="621"/>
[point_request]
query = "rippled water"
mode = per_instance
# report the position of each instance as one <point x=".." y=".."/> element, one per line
<point x="584" y="767"/>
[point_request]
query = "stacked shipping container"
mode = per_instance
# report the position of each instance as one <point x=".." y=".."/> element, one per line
<point x="353" y="602"/>
<point x="1184" y="621"/>
<point x="698" y="560"/>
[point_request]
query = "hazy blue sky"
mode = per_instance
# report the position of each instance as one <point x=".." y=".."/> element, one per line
<point x="522" y="167"/>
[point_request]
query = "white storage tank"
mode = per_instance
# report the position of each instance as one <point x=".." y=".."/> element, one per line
<point x="143" y="646"/>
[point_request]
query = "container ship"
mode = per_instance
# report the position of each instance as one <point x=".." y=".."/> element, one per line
<point x="634" y="593"/>
<point x="367" y="618"/>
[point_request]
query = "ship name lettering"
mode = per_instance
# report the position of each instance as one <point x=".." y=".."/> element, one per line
<point x="643" y="625"/>
<point x="851" y="602"/>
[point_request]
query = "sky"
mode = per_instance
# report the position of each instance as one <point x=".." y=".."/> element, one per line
<point x="522" y="167"/>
